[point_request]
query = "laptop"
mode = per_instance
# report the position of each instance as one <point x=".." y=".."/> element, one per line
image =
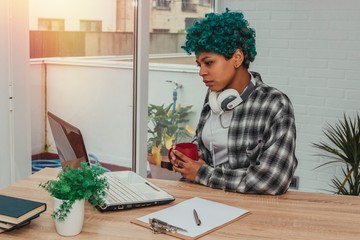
<point x="127" y="189"/>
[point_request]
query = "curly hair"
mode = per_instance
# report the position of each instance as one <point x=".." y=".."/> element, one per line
<point x="223" y="34"/>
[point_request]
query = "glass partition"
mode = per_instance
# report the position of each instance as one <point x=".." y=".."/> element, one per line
<point x="82" y="62"/>
<point x="175" y="88"/>
<point x="81" y="71"/>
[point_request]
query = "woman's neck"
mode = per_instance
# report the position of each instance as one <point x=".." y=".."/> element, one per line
<point x="243" y="79"/>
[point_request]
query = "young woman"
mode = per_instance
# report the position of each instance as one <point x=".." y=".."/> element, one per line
<point x="246" y="132"/>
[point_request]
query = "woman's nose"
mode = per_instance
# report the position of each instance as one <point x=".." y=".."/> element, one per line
<point x="202" y="71"/>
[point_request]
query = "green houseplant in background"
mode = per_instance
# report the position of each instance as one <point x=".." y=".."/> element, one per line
<point x="165" y="126"/>
<point x="70" y="190"/>
<point x="344" y="147"/>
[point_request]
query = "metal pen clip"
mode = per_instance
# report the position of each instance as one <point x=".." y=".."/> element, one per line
<point x="158" y="226"/>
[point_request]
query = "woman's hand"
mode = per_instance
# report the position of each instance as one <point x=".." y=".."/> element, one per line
<point x="185" y="165"/>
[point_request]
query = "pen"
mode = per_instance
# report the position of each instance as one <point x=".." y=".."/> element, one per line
<point x="197" y="219"/>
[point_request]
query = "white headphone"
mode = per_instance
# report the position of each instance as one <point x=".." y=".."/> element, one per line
<point x="224" y="101"/>
<point x="228" y="99"/>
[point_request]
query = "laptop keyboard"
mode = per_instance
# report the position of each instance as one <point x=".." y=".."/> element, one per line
<point x="120" y="192"/>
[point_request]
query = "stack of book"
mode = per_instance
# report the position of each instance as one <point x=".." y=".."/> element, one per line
<point x="18" y="212"/>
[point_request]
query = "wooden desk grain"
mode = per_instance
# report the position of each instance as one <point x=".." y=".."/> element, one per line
<point x="294" y="215"/>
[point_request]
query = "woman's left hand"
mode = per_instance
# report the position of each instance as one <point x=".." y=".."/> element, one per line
<point x="185" y="165"/>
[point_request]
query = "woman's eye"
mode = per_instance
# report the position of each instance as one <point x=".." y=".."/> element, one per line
<point x="208" y="63"/>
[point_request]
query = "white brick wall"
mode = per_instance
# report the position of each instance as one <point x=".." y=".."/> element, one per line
<point x="310" y="50"/>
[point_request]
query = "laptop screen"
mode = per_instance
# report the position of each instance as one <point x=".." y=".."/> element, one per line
<point x="69" y="142"/>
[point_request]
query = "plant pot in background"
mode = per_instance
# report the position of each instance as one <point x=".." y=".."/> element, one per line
<point x="73" y="223"/>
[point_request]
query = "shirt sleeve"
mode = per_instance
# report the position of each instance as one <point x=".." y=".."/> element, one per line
<point x="274" y="167"/>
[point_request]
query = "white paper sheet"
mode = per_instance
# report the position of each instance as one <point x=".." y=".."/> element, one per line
<point x="212" y="214"/>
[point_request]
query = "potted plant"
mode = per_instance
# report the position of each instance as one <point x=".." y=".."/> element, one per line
<point x="166" y="125"/>
<point x="344" y="147"/>
<point x="70" y="190"/>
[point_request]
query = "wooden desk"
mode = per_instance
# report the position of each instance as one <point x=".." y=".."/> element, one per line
<point x="294" y="215"/>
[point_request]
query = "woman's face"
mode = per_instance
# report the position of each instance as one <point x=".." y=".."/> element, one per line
<point x="217" y="72"/>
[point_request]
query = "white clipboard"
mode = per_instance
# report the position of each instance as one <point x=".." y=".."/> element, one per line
<point x="213" y="215"/>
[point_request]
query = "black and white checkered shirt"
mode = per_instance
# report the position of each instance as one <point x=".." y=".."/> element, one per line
<point x="261" y="145"/>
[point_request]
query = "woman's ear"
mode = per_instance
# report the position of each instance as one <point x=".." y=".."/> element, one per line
<point x="238" y="58"/>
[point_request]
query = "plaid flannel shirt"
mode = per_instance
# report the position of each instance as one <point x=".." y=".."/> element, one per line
<point x="261" y="145"/>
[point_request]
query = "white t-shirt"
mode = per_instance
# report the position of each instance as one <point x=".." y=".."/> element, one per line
<point x="215" y="136"/>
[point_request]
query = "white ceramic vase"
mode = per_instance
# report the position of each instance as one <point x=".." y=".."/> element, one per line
<point x="73" y="223"/>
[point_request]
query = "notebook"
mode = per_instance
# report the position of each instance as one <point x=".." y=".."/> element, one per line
<point x="127" y="189"/>
<point x="14" y="210"/>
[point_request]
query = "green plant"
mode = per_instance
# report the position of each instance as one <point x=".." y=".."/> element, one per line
<point x="166" y="126"/>
<point x="76" y="184"/>
<point x="344" y="147"/>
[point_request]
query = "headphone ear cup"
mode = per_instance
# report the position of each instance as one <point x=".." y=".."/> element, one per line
<point x="228" y="99"/>
<point x="213" y="102"/>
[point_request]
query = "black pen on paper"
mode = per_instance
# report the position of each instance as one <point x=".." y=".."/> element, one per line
<point x="197" y="219"/>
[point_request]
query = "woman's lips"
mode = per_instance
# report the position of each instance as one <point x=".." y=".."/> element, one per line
<point x="208" y="83"/>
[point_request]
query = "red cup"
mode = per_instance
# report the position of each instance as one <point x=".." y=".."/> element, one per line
<point x="189" y="149"/>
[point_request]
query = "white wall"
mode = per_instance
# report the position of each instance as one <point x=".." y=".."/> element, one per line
<point x="95" y="99"/>
<point x="72" y="11"/>
<point x="310" y="50"/>
<point x="4" y="98"/>
<point x="14" y="66"/>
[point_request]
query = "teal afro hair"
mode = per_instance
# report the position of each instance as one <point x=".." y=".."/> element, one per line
<point x="223" y="34"/>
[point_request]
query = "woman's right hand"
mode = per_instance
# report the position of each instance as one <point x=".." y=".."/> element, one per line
<point x="185" y="165"/>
